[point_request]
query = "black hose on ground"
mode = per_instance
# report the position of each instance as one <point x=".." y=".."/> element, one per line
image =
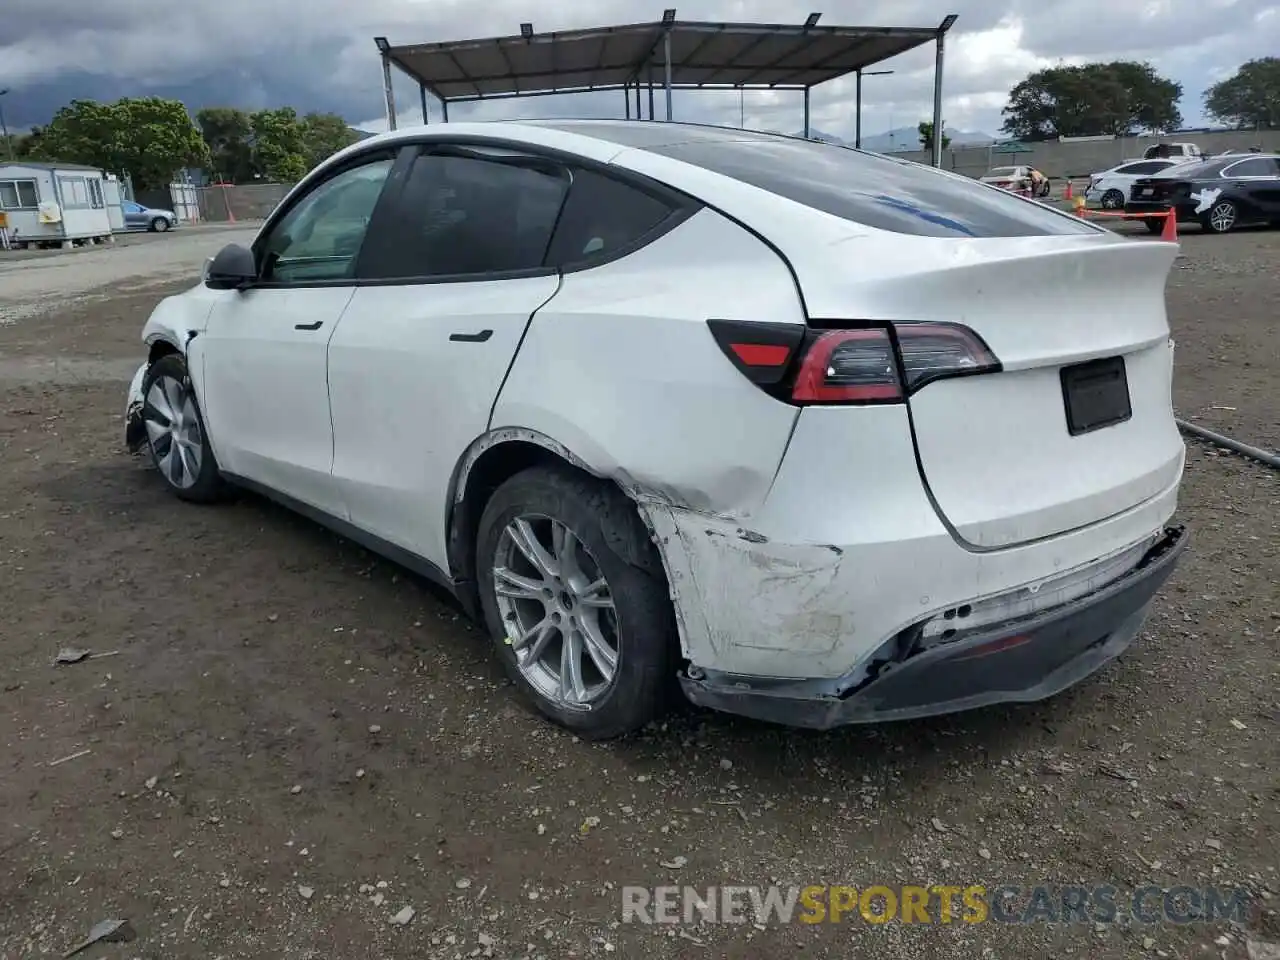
<point x="1257" y="453"/>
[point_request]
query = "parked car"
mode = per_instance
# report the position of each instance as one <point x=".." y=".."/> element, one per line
<point x="138" y="217"/>
<point x="1017" y="179"/>
<point x="778" y="422"/>
<point x="1110" y="188"/>
<point x="1219" y="194"/>
<point x="1173" y="151"/>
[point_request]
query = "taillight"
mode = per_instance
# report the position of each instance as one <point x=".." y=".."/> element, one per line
<point x="762" y="351"/>
<point x="863" y="365"/>
<point x="848" y="366"/>
<point x="932" y="351"/>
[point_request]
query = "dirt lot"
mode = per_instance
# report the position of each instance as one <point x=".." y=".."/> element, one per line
<point x="292" y="740"/>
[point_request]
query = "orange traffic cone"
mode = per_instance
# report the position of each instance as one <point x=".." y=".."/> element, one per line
<point x="1170" y="231"/>
<point x="1067" y="193"/>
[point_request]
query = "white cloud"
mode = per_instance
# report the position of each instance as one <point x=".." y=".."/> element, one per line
<point x="319" y="54"/>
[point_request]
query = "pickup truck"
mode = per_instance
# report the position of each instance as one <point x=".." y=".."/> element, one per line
<point x="1174" y="151"/>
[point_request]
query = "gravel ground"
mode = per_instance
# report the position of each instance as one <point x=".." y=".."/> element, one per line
<point x="285" y="741"/>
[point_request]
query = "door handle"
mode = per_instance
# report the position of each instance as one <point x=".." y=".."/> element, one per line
<point x="309" y="326"/>
<point x="480" y="337"/>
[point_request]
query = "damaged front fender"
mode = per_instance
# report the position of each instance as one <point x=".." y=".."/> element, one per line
<point x="135" y="432"/>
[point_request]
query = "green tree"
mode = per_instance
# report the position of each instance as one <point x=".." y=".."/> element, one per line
<point x="279" y="148"/>
<point x="26" y="146"/>
<point x="324" y="135"/>
<point x="1250" y="98"/>
<point x="229" y="134"/>
<point x="149" y="138"/>
<point x="1118" y="98"/>
<point x="926" y="136"/>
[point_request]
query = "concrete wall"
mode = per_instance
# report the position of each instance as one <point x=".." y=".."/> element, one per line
<point x="1081" y="158"/>
<point x="244" y="201"/>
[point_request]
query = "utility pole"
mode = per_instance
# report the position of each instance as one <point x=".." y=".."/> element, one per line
<point x="4" y="127"/>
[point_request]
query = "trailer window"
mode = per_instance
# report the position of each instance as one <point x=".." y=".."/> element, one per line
<point x="19" y="195"/>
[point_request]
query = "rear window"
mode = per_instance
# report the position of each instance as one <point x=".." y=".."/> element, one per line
<point x="1193" y="171"/>
<point x="880" y="192"/>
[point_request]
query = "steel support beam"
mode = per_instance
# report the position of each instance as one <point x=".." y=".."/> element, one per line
<point x="626" y="99"/>
<point x="422" y="95"/>
<point x="666" y="59"/>
<point x="857" y="112"/>
<point x="387" y="92"/>
<point x="937" y="101"/>
<point x="806" y="113"/>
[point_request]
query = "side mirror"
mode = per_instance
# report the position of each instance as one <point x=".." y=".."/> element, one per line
<point x="232" y="269"/>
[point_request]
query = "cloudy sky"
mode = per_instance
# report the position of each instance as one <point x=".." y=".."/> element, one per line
<point x="319" y="54"/>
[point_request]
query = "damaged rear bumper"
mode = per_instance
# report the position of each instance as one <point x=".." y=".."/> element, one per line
<point x="1020" y="661"/>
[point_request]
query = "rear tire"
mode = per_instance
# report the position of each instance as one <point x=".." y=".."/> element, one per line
<point x="574" y="596"/>
<point x="1222" y="217"/>
<point x="1112" y="200"/>
<point x="176" y="437"/>
<point x="1154" y="224"/>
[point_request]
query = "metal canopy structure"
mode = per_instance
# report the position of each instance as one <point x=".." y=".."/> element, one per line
<point x="666" y="55"/>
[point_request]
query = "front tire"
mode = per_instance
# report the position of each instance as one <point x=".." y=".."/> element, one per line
<point x="159" y="225"/>
<point x="176" y="437"/>
<point x="1222" y="216"/>
<point x="574" y="596"/>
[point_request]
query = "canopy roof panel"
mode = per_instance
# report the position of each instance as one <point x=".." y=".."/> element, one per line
<point x="703" y="55"/>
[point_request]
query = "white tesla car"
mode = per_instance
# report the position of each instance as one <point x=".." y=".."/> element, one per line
<point x="813" y="435"/>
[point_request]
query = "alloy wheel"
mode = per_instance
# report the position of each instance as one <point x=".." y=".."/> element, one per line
<point x="558" y="611"/>
<point x="173" y="429"/>
<point x="1223" y="217"/>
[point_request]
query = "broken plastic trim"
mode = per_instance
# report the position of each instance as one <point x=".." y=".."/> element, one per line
<point x="1074" y="586"/>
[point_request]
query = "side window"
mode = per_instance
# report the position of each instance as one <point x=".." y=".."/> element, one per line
<point x="1255" y="167"/>
<point x="18" y="194"/>
<point x="320" y="236"/>
<point x="1144" y="168"/>
<point x="468" y="213"/>
<point x="601" y="217"/>
<point x="75" y="194"/>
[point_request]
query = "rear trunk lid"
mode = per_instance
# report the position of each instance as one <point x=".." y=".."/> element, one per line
<point x="1157" y="190"/>
<point x="1078" y="424"/>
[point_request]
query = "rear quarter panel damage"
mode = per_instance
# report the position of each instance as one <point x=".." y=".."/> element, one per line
<point x="663" y="411"/>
